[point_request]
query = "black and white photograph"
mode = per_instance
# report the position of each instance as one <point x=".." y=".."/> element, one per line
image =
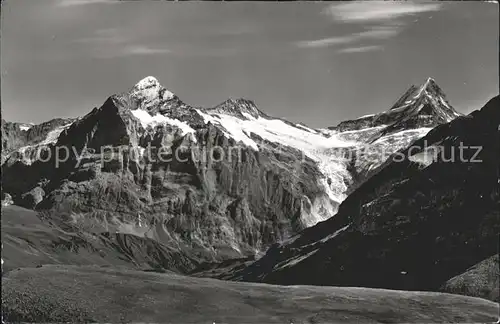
<point x="244" y="162"/>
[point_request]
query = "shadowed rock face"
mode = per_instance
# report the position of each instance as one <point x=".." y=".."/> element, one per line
<point x="413" y="225"/>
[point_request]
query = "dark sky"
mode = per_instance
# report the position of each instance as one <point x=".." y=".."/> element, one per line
<point x="318" y="63"/>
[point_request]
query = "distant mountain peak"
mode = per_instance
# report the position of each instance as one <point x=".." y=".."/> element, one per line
<point x="147" y="94"/>
<point x="429" y="82"/>
<point x="149" y="89"/>
<point x="430" y="87"/>
<point x="427" y="89"/>
<point x="420" y="106"/>
<point x="238" y="107"/>
<point x="149" y="81"/>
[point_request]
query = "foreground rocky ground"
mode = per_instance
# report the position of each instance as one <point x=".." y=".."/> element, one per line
<point x="55" y="293"/>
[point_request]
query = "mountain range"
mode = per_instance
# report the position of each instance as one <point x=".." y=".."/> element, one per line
<point x="147" y="181"/>
<point x="271" y="178"/>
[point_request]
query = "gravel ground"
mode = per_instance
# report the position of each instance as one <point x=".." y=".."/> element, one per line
<point x="56" y="293"/>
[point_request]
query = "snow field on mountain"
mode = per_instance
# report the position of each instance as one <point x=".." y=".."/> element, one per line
<point x="53" y="135"/>
<point x="403" y="137"/>
<point x="314" y="145"/>
<point x="147" y="120"/>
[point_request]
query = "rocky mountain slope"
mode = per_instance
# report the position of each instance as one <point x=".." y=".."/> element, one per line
<point x="219" y="182"/>
<point x="480" y="280"/>
<point x="30" y="239"/>
<point x="430" y="213"/>
<point x="18" y="135"/>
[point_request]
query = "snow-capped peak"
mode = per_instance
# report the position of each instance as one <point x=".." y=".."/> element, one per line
<point x="150" y="87"/>
<point x="149" y="81"/>
<point x="429" y="80"/>
<point x="149" y="92"/>
<point x="429" y="89"/>
<point x="428" y="85"/>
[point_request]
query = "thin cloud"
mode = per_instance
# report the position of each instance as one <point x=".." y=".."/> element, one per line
<point x="385" y="18"/>
<point x="326" y="42"/>
<point x="71" y="3"/>
<point x="376" y="10"/>
<point x="144" y="50"/>
<point x="361" y="49"/>
<point x="114" y="42"/>
<point x="127" y="51"/>
<point x="377" y="32"/>
<point x="380" y="32"/>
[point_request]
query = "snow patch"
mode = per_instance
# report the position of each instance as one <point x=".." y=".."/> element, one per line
<point x="294" y="261"/>
<point x="365" y="116"/>
<point x="147" y="120"/>
<point x="232" y="127"/>
<point x="426" y="157"/>
<point x="363" y="130"/>
<point x="247" y="115"/>
<point x="53" y="135"/>
<point x="337" y="232"/>
<point x="402" y="135"/>
<point x="360" y="135"/>
<point x="300" y="258"/>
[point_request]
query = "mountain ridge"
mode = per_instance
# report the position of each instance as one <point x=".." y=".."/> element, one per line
<point x="282" y="177"/>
